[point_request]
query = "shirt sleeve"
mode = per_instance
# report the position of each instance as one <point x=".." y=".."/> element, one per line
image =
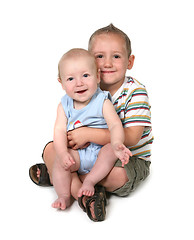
<point x="137" y="109"/>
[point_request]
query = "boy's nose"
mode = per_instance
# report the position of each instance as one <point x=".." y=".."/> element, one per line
<point x="108" y="63"/>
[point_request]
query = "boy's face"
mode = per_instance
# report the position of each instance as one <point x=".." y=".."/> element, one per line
<point x="112" y="60"/>
<point x="79" y="78"/>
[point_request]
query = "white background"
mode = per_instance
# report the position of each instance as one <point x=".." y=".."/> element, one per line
<point x="34" y="35"/>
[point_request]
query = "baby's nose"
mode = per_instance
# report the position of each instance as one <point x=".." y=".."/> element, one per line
<point x="79" y="82"/>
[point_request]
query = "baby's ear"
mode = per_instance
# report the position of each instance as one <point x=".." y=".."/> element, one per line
<point x="131" y="62"/>
<point x="59" y="80"/>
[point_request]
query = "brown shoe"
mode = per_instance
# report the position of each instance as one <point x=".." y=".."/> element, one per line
<point x="99" y="199"/>
<point x="44" y="179"/>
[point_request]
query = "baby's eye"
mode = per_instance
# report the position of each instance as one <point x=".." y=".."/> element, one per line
<point x="70" y="79"/>
<point x="116" y="56"/>
<point x="86" y="75"/>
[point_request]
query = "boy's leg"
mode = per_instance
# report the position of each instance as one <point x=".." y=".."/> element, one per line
<point x="103" y="165"/>
<point x="49" y="156"/>
<point x="121" y="181"/>
<point x="62" y="181"/>
<point x="137" y="171"/>
<point x="115" y="179"/>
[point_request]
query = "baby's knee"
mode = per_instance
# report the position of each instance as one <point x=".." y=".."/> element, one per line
<point x="107" y="151"/>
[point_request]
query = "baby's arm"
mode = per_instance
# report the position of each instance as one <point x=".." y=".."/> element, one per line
<point x="60" y="139"/>
<point x="116" y="132"/>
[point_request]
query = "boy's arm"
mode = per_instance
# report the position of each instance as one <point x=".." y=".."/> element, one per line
<point x="80" y="137"/>
<point x="133" y="135"/>
<point x="140" y="115"/>
<point x="60" y="138"/>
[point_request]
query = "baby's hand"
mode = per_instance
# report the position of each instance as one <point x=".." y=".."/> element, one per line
<point x="122" y="153"/>
<point x="67" y="161"/>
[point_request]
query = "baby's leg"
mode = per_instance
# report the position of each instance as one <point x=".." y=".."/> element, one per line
<point x="103" y="165"/>
<point x="62" y="181"/>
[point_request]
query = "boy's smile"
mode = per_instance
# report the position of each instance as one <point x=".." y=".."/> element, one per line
<point x="110" y="52"/>
<point x="106" y="72"/>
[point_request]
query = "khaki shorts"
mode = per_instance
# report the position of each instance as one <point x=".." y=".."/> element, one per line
<point x="137" y="170"/>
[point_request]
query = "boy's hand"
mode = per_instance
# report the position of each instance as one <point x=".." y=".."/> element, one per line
<point x="67" y="161"/>
<point x="122" y="153"/>
<point x="77" y="138"/>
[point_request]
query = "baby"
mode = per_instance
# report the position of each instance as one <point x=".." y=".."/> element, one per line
<point x="84" y="105"/>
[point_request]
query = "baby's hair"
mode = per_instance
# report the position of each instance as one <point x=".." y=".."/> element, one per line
<point x="111" y="29"/>
<point x="73" y="53"/>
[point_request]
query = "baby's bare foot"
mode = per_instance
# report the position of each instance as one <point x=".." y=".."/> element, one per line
<point x="87" y="189"/>
<point x="62" y="203"/>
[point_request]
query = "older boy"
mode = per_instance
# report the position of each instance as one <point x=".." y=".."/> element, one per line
<point x="112" y="50"/>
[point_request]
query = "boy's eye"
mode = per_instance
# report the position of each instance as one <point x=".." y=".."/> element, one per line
<point x="116" y="56"/>
<point x="99" y="56"/>
<point x="70" y="79"/>
<point x="86" y="75"/>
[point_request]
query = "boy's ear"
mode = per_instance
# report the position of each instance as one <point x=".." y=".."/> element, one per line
<point x="131" y="62"/>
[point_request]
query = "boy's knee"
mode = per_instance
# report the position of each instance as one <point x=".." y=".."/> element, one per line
<point x="116" y="179"/>
<point x="120" y="175"/>
<point x="48" y="152"/>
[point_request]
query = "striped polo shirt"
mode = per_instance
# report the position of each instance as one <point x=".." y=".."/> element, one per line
<point x="132" y="106"/>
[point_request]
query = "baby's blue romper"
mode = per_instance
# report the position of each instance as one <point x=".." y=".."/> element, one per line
<point x="90" y="116"/>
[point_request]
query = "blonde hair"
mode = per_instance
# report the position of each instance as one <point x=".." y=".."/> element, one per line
<point x="76" y="52"/>
<point x="111" y="29"/>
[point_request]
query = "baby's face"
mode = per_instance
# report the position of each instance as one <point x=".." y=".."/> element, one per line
<point x="112" y="59"/>
<point x="79" y="78"/>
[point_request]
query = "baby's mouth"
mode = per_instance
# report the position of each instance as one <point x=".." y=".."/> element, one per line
<point x="81" y="91"/>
